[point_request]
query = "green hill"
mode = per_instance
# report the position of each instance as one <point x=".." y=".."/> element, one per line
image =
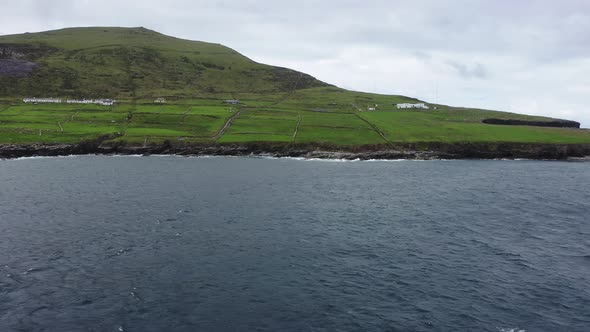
<point x="277" y="105"/>
<point x="135" y="62"/>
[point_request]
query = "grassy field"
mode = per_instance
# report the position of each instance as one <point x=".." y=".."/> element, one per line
<point x="466" y="126"/>
<point x="263" y="120"/>
<point x="136" y="65"/>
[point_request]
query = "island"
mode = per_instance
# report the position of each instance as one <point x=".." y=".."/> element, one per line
<point x="110" y="90"/>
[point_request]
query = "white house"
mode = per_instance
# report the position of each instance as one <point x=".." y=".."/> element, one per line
<point x="80" y="101"/>
<point x="42" y="100"/>
<point x="407" y="105"/>
<point x="160" y="100"/>
<point x="105" y="102"/>
<point x="232" y="101"/>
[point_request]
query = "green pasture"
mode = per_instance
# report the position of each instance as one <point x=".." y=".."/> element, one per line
<point x="262" y="126"/>
<point x="338" y="136"/>
<point x="287" y="122"/>
<point x="464" y="126"/>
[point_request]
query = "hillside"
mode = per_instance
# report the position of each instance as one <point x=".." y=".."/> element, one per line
<point x="132" y="63"/>
<point x="277" y="106"/>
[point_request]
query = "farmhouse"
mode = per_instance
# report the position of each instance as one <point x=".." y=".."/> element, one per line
<point x="160" y="100"/>
<point x="79" y="101"/>
<point x="42" y="100"/>
<point x="232" y="101"/>
<point x="105" y="102"/>
<point x="407" y="105"/>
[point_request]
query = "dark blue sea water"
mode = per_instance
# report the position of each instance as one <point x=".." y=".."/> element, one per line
<point x="244" y="244"/>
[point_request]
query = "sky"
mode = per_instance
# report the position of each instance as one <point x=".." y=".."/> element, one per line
<point x="529" y="57"/>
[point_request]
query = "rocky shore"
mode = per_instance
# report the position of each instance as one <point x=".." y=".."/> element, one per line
<point x="419" y="151"/>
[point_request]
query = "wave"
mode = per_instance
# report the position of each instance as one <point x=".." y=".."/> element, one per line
<point x="332" y="160"/>
<point x="40" y="157"/>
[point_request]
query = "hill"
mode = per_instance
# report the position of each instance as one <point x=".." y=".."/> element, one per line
<point x="132" y="63"/>
<point x="277" y="106"/>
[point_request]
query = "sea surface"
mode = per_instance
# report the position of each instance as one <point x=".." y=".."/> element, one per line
<point x="159" y="243"/>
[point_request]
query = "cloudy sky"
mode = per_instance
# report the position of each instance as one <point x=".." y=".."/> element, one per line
<point x="528" y="56"/>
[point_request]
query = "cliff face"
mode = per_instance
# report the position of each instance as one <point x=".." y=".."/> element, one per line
<point x="555" y="124"/>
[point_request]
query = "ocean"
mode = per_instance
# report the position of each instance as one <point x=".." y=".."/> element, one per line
<point x="164" y="243"/>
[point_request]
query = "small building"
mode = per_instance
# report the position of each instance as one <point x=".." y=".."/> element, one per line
<point x="160" y="100"/>
<point x="232" y="101"/>
<point x="42" y="100"/>
<point x="105" y="102"/>
<point x="80" y="101"/>
<point x="408" y="105"/>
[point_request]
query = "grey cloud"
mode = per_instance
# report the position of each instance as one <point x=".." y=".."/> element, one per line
<point x="476" y="70"/>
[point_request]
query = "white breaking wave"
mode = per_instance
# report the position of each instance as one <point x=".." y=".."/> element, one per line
<point x="39" y="157"/>
<point x="331" y="160"/>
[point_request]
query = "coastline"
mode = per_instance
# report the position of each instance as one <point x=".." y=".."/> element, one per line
<point x="410" y="151"/>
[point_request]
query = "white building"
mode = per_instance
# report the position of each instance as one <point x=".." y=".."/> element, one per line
<point x="232" y="101"/>
<point x="42" y="100"/>
<point x="105" y="102"/>
<point x="407" y="105"/>
<point x="160" y="100"/>
<point x="80" y="101"/>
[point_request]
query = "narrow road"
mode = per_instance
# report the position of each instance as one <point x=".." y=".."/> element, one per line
<point x="373" y="126"/>
<point x="226" y="125"/>
<point x="296" y="127"/>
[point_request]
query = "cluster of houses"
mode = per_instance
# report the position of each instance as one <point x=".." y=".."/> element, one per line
<point x="103" y="102"/>
<point x="400" y="106"/>
<point x="110" y="102"/>
<point x="408" y="105"/>
<point x="42" y="100"/>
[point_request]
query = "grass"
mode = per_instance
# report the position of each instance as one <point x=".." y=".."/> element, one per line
<point x="141" y="123"/>
<point x="262" y="126"/>
<point x="136" y="65"/>
<point x="338" y="136"/>
<point x="466" y="126"/>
